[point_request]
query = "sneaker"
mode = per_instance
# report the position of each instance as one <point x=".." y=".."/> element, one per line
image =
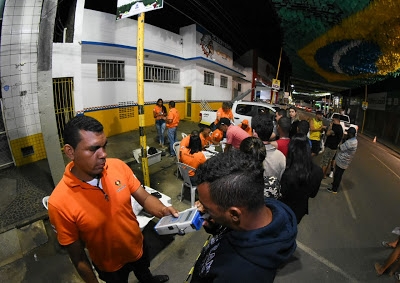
<point x="331" y="191"/>
<point x="331" y="174"/>
<point x="397" y="276"/>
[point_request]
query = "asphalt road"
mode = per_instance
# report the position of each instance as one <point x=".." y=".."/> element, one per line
<point x="339" y="241"/>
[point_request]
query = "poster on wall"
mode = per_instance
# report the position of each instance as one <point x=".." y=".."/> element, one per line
<point x="377" y="101"/>
<point x="128" y="8"/>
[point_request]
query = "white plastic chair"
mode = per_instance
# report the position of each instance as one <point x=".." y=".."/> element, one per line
<point x="177" y="146"/>
<point x="184" y="135"/>
<point x="45" y="201"/>
<point x="184" y="170"/>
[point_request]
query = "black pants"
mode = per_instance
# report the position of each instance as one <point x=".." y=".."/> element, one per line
<point x="139" y="267"/>
<point x="337" y="178"/>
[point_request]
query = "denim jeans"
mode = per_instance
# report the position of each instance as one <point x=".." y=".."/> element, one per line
<point x="160" y="125"/>
<point x="172" y="140"/>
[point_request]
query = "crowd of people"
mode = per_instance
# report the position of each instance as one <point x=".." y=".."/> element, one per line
<point x="254" y="193"/>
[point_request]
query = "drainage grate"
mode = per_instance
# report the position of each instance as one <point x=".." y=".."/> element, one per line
<point x="26" y="151"/>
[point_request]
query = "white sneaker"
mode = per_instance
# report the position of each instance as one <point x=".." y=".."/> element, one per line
<point x="331" y="174"/>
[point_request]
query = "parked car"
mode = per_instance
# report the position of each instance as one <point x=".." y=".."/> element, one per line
<point x="344" y="121"/>
<point x="241" y="110"/>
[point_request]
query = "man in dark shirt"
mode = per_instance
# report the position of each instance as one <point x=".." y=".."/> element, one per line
<point x="334" y="136"/>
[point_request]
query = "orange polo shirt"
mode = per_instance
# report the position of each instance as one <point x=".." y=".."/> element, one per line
<point x="109" y="229"/>
<point x="205" y="141"/>
<point x="217" y="136"/>
<point x="222" y="114"/>
<point x="249" y="130"/>
<point x="173" y="114"/>
<point x="156" y="110"/>
<point x="193" y="160"/>
<point x="185" y="141"/>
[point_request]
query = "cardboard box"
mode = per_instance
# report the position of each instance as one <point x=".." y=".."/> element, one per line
<point x="151" y="158"/>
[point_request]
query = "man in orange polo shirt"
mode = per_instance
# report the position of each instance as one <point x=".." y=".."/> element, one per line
<point x="205" y="136"/>
<point x="217" y="136"/>
<point x="245" y="126"/>
<point x="224" y="112"/>
<point x="172" y="125"/>
<point x="91" y="207"/>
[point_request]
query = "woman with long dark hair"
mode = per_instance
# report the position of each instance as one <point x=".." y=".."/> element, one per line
<point x="160" y="114"/>
<point x="255" y="147"/>
<point x="301" y="178"/>
<point x="193" y="154"/>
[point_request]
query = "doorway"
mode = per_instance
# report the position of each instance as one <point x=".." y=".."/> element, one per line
<point x="63" y="90"/>
<point x="188" y="102"/>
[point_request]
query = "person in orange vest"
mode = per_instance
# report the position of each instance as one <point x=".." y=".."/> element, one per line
<point x="205" y="136"/>
<point x="224" y="112"/>
<point x="245" y="126"/>
<point x="172" y="125"/>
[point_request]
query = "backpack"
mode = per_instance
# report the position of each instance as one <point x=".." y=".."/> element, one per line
<point x="151" y="150"/>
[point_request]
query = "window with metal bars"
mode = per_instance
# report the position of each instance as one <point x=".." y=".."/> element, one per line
<point x="208" y="78"/>
<point x="161" y="74"/>
<point x="224" y="82"/>
<point x="110" y="70"/>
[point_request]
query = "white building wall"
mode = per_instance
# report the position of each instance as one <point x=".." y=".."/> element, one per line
<point x="212" y="93"/>
<point x="100" y="36"/>
<point x="102" y="27"/>
<point x="20" y="31"/>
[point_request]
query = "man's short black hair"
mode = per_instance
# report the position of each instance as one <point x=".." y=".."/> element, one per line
<point x="303" y="127"/>
<point x="224" y="121"/>
<point x="171" y="103"/>
<point x="77" y="123"/>
<point x="285" y="123"/>
<point x="235" y="179"/>
<point x="351" y="132"/>
<point x="282" y="112"/>
<point x="263" y="125"/>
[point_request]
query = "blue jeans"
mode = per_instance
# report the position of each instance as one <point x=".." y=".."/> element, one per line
<point x="172" y="140"/>
<point x="160" y="125"/>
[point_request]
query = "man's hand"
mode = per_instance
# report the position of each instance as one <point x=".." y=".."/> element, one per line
<point x="170" y="210"/>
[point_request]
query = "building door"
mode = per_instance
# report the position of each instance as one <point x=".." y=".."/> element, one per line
<point x="6" y="158"/>
<point x="188" y="102"/>
<point x="63" y="90"/>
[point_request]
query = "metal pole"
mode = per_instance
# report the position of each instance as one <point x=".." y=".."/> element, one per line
<point x="277" y="73"/>
<point x="365" y="111"/>
<point x="140" y="96"/>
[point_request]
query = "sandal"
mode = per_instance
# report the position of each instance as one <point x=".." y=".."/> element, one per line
<point x="386" y="244"/>
<point x="377" y="267"/>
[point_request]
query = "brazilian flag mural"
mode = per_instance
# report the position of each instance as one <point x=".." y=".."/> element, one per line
<point x="345" y="42"/>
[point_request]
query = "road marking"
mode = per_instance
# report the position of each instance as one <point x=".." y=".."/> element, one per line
<point x="386" y="166"/>
<point x="346" y="195"/>
<point x="325" y="261"/>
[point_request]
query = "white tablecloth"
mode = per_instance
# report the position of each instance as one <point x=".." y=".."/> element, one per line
<point x="137" y="208"/>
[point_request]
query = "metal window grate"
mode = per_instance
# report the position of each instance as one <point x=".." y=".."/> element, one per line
<point x="161" y="74"/>
<point x="126" y="109"/>
<point x="208" y="78"/>
<point x="110" y="70"/>
<point x="224" y="82"/>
